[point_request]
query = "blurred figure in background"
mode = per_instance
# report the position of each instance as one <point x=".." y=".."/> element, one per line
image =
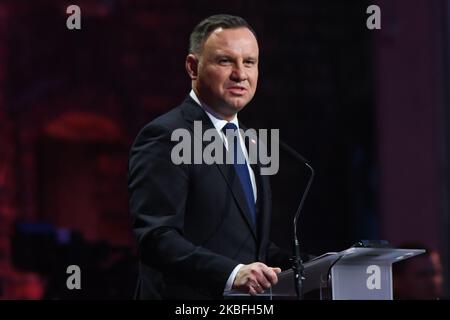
<point x="418" y="278"/>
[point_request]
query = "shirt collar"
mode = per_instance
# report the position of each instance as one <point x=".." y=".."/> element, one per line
<point x="215" y="118"/>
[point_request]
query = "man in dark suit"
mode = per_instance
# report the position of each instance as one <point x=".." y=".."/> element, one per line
<point x="203" y="229"/>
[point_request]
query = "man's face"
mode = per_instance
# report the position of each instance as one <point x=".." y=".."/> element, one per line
<point x="227" y="70"/>
<point x="422" y="279"/>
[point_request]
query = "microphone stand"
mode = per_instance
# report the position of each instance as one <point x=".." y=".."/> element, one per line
<point x="297" y="263"/>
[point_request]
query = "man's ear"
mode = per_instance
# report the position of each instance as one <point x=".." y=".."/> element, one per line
<point x="192" y="66"/>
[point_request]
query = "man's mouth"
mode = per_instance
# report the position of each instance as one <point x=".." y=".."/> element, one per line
<point x="237" y="90"/>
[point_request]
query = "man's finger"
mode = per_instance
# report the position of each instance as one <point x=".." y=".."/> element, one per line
<point x="262" y="279"/>
<point x="270" y="274"/>
<point x="252" y="291"/>
<point x="259" y="289"/>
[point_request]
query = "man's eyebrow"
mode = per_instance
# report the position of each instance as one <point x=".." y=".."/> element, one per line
<point x="224" y="55"/>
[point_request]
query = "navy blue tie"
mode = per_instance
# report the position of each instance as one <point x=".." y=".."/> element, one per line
<point x="240" y="165"/>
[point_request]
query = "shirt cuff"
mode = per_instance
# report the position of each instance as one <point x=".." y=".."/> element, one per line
<point x="230" y="281"/>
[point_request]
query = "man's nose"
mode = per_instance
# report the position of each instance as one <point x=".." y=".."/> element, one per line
<point x="239" y="73"/>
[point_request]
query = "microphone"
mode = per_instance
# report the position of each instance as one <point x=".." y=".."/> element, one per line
<point x="297" y="263"/>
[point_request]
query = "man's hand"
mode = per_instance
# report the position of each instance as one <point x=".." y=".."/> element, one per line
<point x="256" y="277"/>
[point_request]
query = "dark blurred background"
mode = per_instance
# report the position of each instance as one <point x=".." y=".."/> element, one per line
<point x="368" y="108"/>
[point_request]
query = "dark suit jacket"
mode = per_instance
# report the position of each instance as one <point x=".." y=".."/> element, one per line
<point x="191" y="220"/>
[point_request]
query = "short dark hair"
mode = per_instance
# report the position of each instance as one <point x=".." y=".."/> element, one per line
<point x="202" y="31"/>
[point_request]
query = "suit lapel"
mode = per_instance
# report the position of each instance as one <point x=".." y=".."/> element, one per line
<point x="193" y="112"/>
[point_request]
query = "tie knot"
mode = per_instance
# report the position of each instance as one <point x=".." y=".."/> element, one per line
<point x="229" y="126"/>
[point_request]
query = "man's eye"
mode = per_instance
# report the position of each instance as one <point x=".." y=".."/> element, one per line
<point x="250" y="63"/>
<point x="224" y="61"/>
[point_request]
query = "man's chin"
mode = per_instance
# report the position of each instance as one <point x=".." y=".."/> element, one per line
<point x="237" y="104"/>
